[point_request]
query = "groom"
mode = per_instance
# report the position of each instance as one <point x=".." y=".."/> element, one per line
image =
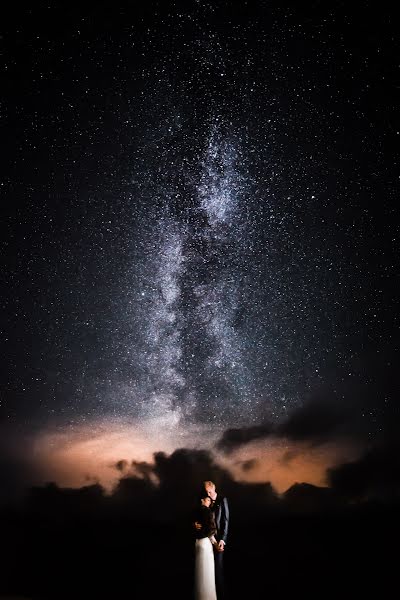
<point x="221" y="512"/>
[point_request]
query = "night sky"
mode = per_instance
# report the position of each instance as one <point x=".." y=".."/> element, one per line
<point x="199" y="227"/>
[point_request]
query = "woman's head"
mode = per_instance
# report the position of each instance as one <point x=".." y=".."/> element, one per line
<point x="205" y="501"/>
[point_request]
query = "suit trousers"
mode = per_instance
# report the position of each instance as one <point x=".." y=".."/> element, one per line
<point x="219" y="574"/>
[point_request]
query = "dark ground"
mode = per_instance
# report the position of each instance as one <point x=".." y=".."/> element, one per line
<point x="346" y="554"/>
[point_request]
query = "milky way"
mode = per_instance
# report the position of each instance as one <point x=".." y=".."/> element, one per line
<point x="190" y="351"/>
<point x="201" y="215"/>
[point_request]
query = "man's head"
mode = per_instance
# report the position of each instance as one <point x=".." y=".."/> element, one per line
<point x="209" y="487"/>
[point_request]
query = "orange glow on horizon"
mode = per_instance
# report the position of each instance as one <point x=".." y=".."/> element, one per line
<point x="89" y="453"/>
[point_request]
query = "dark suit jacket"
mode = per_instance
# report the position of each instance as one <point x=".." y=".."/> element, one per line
<point x="221" y="512"/>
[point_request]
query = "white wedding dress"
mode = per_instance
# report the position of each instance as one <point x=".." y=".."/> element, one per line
<point x="204" y="570"/>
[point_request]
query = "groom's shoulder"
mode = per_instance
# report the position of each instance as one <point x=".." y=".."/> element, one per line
<point x="221" y="500"/>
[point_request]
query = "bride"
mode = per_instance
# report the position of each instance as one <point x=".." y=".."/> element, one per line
<point x="205" y="530"/>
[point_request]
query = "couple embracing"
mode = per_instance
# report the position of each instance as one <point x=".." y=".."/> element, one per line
<point x="211" y="522"/>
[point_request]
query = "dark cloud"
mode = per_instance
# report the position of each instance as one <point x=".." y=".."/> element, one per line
<point x="165" y="490"/>
<point x="248" y="465"/>
<point x="121" y="465"/>
<point x="134" y="496"/>
<point x="317" y="422"/>
<point x="143" y="469"/>
<point x="186" y="468"/>
<point x="237" y="437"/>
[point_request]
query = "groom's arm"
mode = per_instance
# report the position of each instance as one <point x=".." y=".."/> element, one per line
<point x="224" y="523"/>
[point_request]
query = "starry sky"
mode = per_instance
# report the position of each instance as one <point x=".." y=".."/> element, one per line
<point x="199" y="221"/>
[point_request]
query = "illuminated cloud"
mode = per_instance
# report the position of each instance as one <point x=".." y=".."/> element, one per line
<point x="103" y="450"/>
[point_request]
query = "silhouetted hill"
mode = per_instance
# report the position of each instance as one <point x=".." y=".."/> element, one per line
<point x="63" y="555"/>
<point x="307" y="498"/>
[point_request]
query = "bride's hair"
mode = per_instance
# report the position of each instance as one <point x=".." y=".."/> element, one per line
<point x="203" y="495"/>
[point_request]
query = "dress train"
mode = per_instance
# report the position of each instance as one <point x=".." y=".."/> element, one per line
<point x="204" y="570"/>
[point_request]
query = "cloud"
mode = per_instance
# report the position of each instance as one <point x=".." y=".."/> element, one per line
<point x="121" y="465"/>
<point x="316" y="422"/>
<point x="248" y="465"/>
<point x="289" y="456"/>
<point x="165" y="490"/>
<point x="236" y="437"/>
